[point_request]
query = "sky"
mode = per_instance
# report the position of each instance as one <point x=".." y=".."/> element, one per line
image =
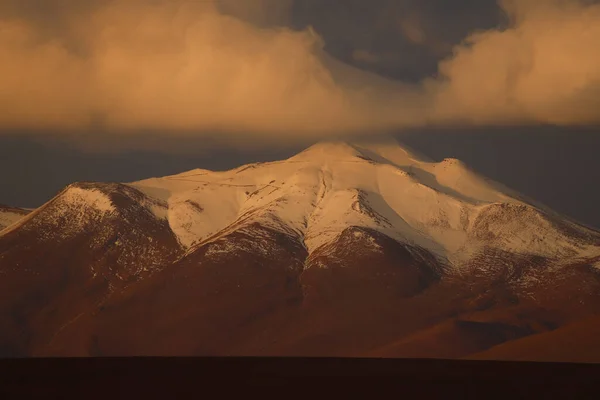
<point x="157" y="86"/>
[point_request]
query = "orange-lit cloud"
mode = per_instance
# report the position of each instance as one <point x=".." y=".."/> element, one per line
<point x="544" y="69"/>
<point x="191" y="67"/>
<point x="179" y="66"/>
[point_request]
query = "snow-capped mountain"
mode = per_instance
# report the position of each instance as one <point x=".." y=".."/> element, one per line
<point x="442" y="207"/>
<point x="365" y="244"/>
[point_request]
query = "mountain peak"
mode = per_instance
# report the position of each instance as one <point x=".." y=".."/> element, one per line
<point x="329" y="149"/>
<point x="383" y="149"/>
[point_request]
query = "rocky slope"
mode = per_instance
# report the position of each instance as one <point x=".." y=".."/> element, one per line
<point x="67" y="256"/>
<point x="350" y="249"/>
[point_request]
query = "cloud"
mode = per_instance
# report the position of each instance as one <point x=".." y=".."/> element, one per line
<point x="544" y="68"/>
<point x="365" y="56"/>
<point x="185" y="67"/>
<point x="263" y="13"/>
<point x="207" y="68"/>
<point x="412" y="29"/>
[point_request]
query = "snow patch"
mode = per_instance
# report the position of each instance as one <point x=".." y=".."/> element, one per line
<point x="8" y="217"/>
<point x="95" y="198"/>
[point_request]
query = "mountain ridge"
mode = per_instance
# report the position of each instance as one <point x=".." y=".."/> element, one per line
<point x="449" y="178"/>
<point x="342" y="249"/>
<point x="301" y="194"/>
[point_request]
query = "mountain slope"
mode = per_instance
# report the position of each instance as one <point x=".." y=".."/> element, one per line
<point x="576" y="342"/>
<point x="68" y="255"/>
<point x="347" y="248"/>
<point x="10" y="215"/>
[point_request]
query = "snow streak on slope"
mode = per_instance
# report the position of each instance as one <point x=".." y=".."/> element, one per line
<point x="10" y="216"/>
<point x="443" y="207"/>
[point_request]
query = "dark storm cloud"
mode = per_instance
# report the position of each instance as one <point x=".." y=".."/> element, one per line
<point x="403" y="39"/>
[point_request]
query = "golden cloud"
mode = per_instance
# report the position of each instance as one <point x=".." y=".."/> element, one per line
<point x="192" y="67"/>
<point x="545" y="68"/>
